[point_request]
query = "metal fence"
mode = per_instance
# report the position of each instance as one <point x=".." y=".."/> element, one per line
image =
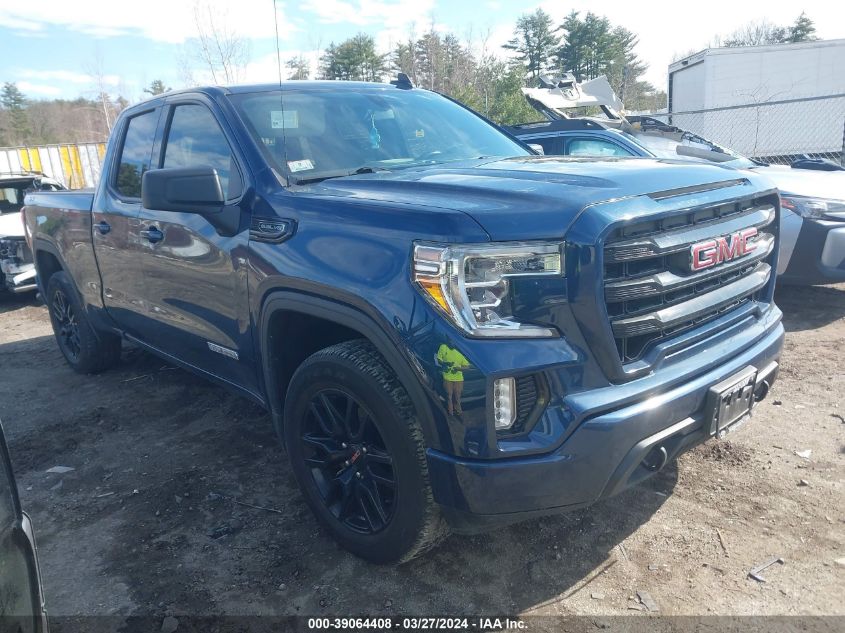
<point x="76" y="166"/>
<point x="774" y="131"/>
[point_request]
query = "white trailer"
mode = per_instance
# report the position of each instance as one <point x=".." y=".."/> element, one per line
<point x="764" y="101"/>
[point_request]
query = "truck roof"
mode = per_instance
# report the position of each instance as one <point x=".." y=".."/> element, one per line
<point x="300" y="85"/>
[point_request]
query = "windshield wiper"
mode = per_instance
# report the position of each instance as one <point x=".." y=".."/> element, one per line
<point x="364" y="169"/>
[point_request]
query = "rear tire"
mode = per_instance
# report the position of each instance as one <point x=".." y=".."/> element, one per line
<point x="357" y="451"/>
<point x="86" y="350"/>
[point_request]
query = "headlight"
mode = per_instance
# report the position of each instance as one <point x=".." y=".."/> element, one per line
<point x="472" y="284"/>
<point x="816" y="208"/>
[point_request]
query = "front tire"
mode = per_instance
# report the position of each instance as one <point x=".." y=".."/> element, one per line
<point x="86" y="350"/>
<point x="358" y="454"/>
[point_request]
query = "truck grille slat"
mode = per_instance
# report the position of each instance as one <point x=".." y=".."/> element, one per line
<point x="668" y="281"/>
<point x="678" y="240"/>
<point x="702" y="304"/>
<point x="652" y="293"/>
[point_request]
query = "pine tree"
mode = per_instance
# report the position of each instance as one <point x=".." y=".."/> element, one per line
<point x="157" y="87"/>
<point x="802" y="30"/>
<point x="14" y="103"/>
<point x="355" y="59"/>
<point x="534" y="41"/>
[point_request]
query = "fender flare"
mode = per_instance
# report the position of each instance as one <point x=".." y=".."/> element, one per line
<point x="356" y="319"/>
<point x="40" y="244"/>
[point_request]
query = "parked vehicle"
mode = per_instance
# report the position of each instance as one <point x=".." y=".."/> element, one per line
<point x="21" y="598"/>
<point x="17" y="270"/>
<point x="449" y="331"/>
<point x="812" y="227"/>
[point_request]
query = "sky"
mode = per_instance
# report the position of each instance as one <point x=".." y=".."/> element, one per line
<point x="66" y="49"/>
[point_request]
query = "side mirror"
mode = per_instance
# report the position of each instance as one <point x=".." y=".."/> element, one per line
<point x="190" y="190"/>
<point x="184" y="189"/>
<point x="537" y="148"/>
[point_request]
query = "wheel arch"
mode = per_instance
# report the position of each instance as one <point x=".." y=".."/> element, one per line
<point x="48" y="261"/>
<point x="353" y="320"/>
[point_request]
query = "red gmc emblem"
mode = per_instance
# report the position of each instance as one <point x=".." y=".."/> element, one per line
<point x="722" y="249"/>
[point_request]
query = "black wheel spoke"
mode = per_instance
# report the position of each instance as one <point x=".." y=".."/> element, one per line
<point x="329" y="452"/>
<point x="363" y="424"/>
<point x="372" y="504"/>
<point x="382" y="480"/>
<point x="325" y="425"/>
<point x="338" y="421"/>
<point x="346" y="500"/>
<point x="379" y="456"/>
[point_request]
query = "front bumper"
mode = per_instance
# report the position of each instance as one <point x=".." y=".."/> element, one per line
<point x="603" y="455"/>
<point x="818" y="256"/>
<point x="17" y="270"/>
<point x="16" y="277"/>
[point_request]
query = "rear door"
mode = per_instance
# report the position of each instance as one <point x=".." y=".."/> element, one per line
<point x="21" y="603"/>
<point x="194" y="279"/>
<point x="116" y="224"/>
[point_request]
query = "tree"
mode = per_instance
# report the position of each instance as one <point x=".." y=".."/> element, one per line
<point x="300" y="67"/>
<point x="534" y="41"/>
<point x="355" y="59"/>
<point x="757" y="33"/>
<point x="436" y="62"/>
<point x="762" y="32"/>
<point x="156" y="88"/>
<point x="592" y="46"/>
<point x="222" y="50"/>
<point x="16" y="122"/>
<point x="802" y="30"/>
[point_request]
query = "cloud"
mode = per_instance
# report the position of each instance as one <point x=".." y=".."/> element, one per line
<point x="66" y="76"/>
<point x="395" y="14"/>
<point x="29" y="88"/>
<point x="161" y="20"/>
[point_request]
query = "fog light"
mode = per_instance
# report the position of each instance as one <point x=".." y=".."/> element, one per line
<point x="504" y="403"/>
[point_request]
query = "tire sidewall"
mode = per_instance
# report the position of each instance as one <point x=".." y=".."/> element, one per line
<point x="391" y="543"/>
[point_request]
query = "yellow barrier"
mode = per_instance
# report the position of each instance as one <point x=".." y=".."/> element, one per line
<point x="75" y="165"/>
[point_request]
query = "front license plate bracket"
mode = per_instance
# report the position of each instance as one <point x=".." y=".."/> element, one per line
<point x="729" y="402"/>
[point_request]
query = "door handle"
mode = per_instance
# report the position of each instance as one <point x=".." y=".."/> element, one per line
<point x="103" y="227"/>
<point x="152" y="234"/>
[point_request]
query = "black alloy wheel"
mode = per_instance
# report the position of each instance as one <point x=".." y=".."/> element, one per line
<point x="358" y="453"/>
<point x="349" y="462"/>
<point x="67" y="325"/>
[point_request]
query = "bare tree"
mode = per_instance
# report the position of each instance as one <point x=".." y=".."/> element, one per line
<point x="222" y="50"/>
<point x="95" y="70"/>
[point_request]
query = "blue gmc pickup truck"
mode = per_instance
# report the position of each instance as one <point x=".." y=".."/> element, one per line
<point x="449" y="331"/>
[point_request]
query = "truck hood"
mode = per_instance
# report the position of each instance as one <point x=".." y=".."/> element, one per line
<point x="11" y="225"/>
<point x="829" y="185"/>
<point x="529" y="197"/>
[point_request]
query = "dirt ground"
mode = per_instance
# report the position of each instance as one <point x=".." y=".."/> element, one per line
<point x="180" y="502"/>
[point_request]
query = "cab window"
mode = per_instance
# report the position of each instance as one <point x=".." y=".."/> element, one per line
<point x="196" y="140"/>
<point x="135" y="153"/>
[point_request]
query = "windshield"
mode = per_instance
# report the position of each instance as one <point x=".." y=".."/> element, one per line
<point x="690" y="147"/>
<point x="325" y="133"/>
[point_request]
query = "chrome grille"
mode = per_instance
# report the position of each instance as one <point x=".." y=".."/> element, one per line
<point x="652" y="294"/>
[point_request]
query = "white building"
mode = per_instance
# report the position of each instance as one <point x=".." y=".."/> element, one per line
<point x="777" y="100"/>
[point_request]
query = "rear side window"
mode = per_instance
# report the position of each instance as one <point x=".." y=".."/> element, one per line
<point x="196" y="140"/>
<point x="595" y="147"/>
<point x="551" y="146"/>
<point x="136" y="152"/>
